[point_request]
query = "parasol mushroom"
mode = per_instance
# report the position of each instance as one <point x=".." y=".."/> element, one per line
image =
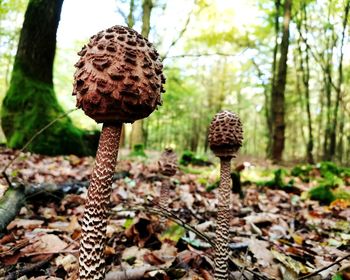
<point x="118" y="80"/>
<point x="225" y="138"/>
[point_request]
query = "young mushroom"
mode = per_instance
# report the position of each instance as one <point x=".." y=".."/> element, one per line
<point x="167" y="167"/>
<point x="225" y="138"/>
<point x="118" y="80"/>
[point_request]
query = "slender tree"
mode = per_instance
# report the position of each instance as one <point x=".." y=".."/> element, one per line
<point x="268" y="114"/>
<point x="338" y="87"/>
<point x="278" y="90"/>
<point x="304" y="58"/>
<point x="137" y="132"/>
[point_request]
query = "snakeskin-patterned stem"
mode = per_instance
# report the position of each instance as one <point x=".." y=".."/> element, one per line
<point x="223" y="221"/>
<point x="164" y="198"/>
<point x="91" y="258"/>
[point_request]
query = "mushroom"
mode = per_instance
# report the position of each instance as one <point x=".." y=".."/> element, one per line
<point x="118" y="80"/>
<point x="225" y="138"/>
<point x="167" y="167"/>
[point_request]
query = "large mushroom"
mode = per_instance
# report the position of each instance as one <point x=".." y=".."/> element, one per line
<point x="118" y="80"/>
<point x="225" y="138"/>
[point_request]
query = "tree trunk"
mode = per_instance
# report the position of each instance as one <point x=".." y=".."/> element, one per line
<point x="278" y="90"/>
<point x="305" y="69"/>
<point x="333" y="128"/>
<point x="137" y="132"/>
<point x="30" y="101"/>
<point x="268" y="113"/>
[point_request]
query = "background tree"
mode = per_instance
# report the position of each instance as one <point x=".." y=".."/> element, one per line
<point x="30" y="102"/>
<point x="278" y="89"/>
<point x="137" y="133"/>
<point x="11" y="13"/>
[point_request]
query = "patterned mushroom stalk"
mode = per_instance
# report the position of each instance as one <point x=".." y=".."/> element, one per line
<point x="167" y="167"/>
<point x="118" y="80"/>
<point x="225" y="138"/>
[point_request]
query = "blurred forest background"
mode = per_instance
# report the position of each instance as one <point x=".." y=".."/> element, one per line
<point x="282" y="66"/>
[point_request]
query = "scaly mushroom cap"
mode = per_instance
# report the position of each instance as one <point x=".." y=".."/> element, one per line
<point x="225" y="134"/>
<point x="168" y="163"/>
<point x="118" y="77"/>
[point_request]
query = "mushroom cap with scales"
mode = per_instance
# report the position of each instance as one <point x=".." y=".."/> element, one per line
<point x="225" y="134"/>
<point x="168" y="162"/>
<point x="119" y="76"/>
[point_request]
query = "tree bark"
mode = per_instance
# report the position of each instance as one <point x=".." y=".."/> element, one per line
<point x="268" y="113"/>
<point x="333" y="127"/>
<point x="137" y="132"/>
<point x="278" y="90"/>
<point x="30" y="102"/>
<point x="305" y="69"/>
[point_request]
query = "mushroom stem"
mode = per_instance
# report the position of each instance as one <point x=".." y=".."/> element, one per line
<point x="223" y="220"/>
<point x="91" y="258"/>
<point x="164" y="199"/>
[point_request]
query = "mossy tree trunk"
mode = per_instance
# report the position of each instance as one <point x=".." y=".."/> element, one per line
<point x="30" y="102"/>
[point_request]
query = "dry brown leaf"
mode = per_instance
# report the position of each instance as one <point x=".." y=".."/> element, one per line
<point x="44" y="244"/>
<point x="24" y="223"/>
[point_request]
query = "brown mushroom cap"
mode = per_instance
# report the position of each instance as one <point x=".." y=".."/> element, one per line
<point x="118" y="77"/>
<point x="225" y="134"/>
<point x="168" y="163"/>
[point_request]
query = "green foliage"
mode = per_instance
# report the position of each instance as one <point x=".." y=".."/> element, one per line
<point x="174" y="233"/>
<point x="30" y="105"/>
<point x="138" y="151"/>
<point x="337" y="277"/>
<point x="342" y="194"/>
<point x="189" y="157"/>
<point x="190" y="170"/>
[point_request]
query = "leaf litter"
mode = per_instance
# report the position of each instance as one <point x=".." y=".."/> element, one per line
<point x="276" y="233"/>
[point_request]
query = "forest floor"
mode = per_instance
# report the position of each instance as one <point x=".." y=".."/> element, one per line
<point x="279" y="229"/>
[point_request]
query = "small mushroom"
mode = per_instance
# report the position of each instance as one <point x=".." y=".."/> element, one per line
<point x="167" y="167"/>
<point x="111" y="88"/>
<point x="225" y="138"/>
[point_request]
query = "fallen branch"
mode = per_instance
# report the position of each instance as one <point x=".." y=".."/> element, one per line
<point x="15" y="197"/>
<point x="10" y="204"/>
<point x="324" y="268"/>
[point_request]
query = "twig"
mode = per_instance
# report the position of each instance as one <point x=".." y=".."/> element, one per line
<point x="31" y="140"/>
<point x="206" y="54"/>
<point x="324" y="268"/>
<point x="180" y="34"/>
<point x="244" y="267"/>
<point x="171" y="216"/>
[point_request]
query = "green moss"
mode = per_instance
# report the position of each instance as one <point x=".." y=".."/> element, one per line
<point x="278" y="180"/>
<point x="30" y="105"/>
<point x="302" y="171"/>
<point x="322" y="193"/>
<point x="328" y="167"/>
